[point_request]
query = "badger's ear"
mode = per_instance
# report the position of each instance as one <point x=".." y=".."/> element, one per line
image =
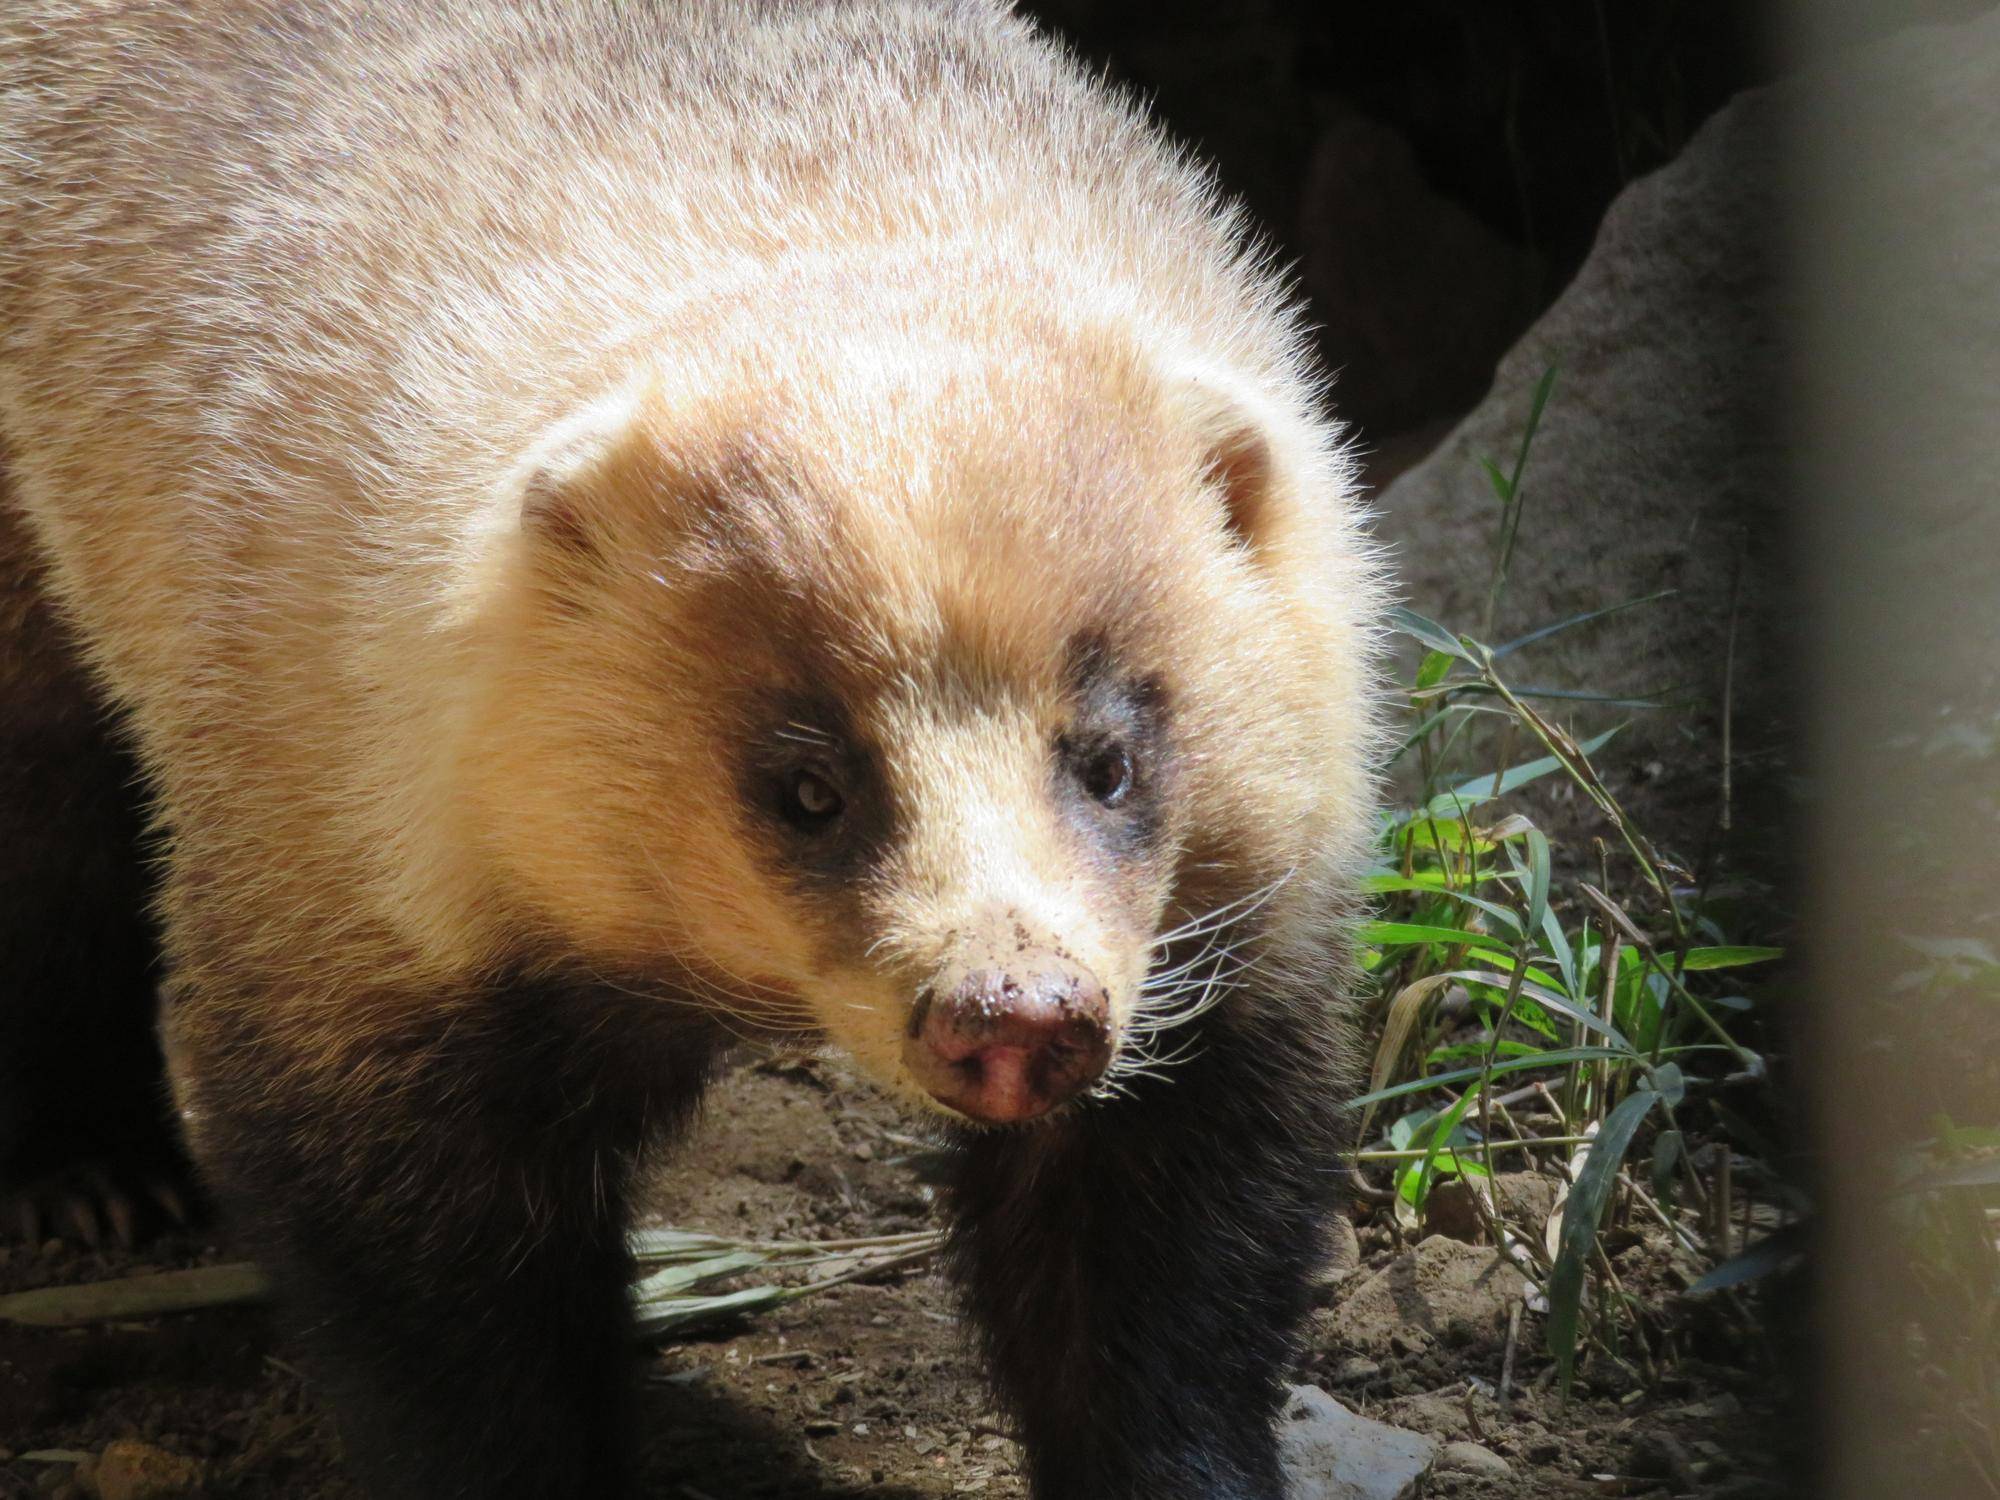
<point x="1251" y="453"/>
<point x="558" y="489"/>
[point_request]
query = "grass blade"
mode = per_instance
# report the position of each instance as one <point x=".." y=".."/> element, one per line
<point x="1582" y="1212"/>
<point x="1575" y="620"/>
<point x="1555" y="1059"/>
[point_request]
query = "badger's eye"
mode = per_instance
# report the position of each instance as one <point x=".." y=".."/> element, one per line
<point x="1106" y="773"/>
<point x="811" y="800"/>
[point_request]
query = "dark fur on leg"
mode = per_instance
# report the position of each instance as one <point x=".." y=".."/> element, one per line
<point x="451" y="1245"/>
<point x="1140" y="1268"/>
<point x="86" y="1137"/>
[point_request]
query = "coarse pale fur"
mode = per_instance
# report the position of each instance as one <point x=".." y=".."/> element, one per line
<point x="301" y="307"/>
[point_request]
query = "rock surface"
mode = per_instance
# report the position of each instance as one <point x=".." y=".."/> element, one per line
<point x="1657" y="464"/>
<point x="1329" y="1453"/>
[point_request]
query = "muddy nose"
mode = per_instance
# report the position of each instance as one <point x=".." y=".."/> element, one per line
<point x="1001" y="1047"/>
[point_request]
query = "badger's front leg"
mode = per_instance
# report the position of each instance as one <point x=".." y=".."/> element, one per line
<point x="1140" y="1266"/>
<point x="443" y="1206"/>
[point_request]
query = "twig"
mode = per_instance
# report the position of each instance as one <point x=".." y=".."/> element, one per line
<point x="1729" y="688"/>
<point x="1507" y="1359"/>
<point x="1645" y="1201"/>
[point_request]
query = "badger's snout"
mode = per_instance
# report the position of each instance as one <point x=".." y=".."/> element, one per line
<point x="1005" y="1043"/>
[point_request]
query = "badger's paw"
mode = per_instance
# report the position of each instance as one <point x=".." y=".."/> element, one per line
<point x="99" y="1200"/>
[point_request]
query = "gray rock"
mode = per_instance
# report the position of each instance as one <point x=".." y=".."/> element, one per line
<point x="1330" y="1453"/>
<point x="1658" y="461"/>
<point x="1470" y="1458"/>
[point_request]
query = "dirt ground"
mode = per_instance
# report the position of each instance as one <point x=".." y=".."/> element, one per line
<point x="863" y="1389"/>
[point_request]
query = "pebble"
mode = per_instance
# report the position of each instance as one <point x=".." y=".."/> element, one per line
<point x="129" y="1470"/>
<point x="1356" y="1371"/>
<point x="1470" y="1458"/>
<point x="1662" y="1455"/>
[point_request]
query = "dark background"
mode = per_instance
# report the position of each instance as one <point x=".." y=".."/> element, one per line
<point x="1434" y="170"/>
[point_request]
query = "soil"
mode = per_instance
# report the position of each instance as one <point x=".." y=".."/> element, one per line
<point x="865" y="1389"/>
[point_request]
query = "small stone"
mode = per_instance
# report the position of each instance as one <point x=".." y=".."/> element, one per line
<point x="1661" y="1455"/>
<point x="1470" y="1458"/>
<point x="128" y="1470"/>
<point x="1356" y="1371"/>
<point x="1525" y="1199"/>
<point x="1329" y="1453"/>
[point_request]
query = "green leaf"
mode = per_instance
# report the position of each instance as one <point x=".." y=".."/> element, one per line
<point x="1505" y="1047"/>
<point x="1538" y="878"/>
<point x="1388" y="934"/>
<point x="1728" y="958"/>
<point x="129" y="1297"/>
<point x="1583" y="1211"/>
<point x="1544" y="998"/>
<point x="1554" y="1059"/>
<point x="673" y="1317"/>
<point x="1527" y="1013"/>
<point x="1544" y="388"/>
<point x="1432" y="669"/>
<point x="1559" y="948"/>
<point x="1485" y="788"/>
<point x="1429" y="632"/>
<point x="1502" y="489"/>
<point x="1540" y="981"/>
<point x="1666" y="1161"/>
<point x="1448" y="1123"/>
<point x="658" y="1247"/>
<point x="670" y="1280"/>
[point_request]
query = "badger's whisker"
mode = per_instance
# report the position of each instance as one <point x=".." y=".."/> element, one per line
<point x="1224" y="915"/>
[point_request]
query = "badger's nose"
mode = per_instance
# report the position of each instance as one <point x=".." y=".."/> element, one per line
<point x="1001" y="1046"/>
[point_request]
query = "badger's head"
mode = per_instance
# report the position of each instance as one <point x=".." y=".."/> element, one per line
<point x="982" y="709"/>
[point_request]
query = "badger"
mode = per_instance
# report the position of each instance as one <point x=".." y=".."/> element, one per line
<point x="613" y="528"/>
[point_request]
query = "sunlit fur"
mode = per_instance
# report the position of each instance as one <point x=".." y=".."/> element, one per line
<point x="437" y="464"/>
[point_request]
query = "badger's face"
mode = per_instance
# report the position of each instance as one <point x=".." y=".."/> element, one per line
<point x="966" y="713"/>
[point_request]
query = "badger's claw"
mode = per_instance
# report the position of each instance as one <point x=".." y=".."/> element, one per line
<point x="95" y="1202"/>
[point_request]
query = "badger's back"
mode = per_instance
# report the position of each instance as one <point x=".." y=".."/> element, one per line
<point x="285" y="257"/>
